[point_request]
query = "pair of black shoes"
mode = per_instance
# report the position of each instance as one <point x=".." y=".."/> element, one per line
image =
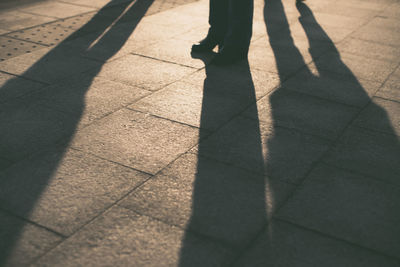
<point x="226" y="54"/>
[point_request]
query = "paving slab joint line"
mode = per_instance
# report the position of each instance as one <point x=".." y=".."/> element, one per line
<point x="28" y="41"/>
<point x="338" y="239"/>
<point x="387" y="99"/>
<point x="26" y="220"/>
<point x="374" y="130"/>
<point x="23" y="77"/>
<point x="46" y="23"/>
<point x="376" y="179"/>
<point x="163" y="60"/>
<point x="188" y="230"/>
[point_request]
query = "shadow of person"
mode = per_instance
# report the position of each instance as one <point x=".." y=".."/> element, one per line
<point x="30" y="128"/>
<point x="229" y="204"/>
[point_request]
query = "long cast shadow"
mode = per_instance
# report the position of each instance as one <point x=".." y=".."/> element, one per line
<point x="229" y="203"/>
<point x="227" y="207"/>
<point x="24" y="134"/>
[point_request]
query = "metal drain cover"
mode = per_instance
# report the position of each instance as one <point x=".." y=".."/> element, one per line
<point x="10" y="48"/>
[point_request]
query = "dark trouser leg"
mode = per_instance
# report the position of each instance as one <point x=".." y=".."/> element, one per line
<point x="218" y="19"/>
<point x="240" y="21"/>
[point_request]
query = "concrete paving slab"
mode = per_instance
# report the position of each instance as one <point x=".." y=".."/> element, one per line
<point x="369" y="49"/>
<point x="391" y="11"/>
<point x="185" y="103"/>
<point x="326" y="20"/>
<point x="89" y="98"/>
<point x="12" y="48"/>
<point x="378" y="35"/>
<point x="384" y="23"/>
<point x="16" y="20"/>
<point x="55" y="9"/>
<point x="344" y="9"/>
<point x="48" y="65"/>
<point x="332" y="86"/>
<point x="236" y="81"/>
<point x="95" y="3"/>
<point x="381" y="115"/>
<point x="391" y="88"/>
<point x="12" y="87"/>
<point x="64" y="189"/>
<point x="357" y="66"/>
<point x="29" y="127"/>
<point x="283" y="244"/>
<point x="120" y="40"/>
<point x="331" y="201"/>
<point x="121" y="237"/>
<point x="370" y="153"/>
<point x="47" y="34"/>
<point x="174" y="50"/>
<point x="308" y="114"/>
<point x="147" y="73"/>
<point x="137" y="140"/>
<point x="237" y="143"/>
<point x="214" y="199"/>
<point x="31" y="242"/>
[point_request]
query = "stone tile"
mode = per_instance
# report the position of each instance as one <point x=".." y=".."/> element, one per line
<point x="349" y="207"/>
<point x="369" y="153"/>
<point x="238" y="142"/>
<point x="391" y="88"/>
<point x="12" y="48"/>
<point x="326" y="20"/>
<point x="359" y="11"/>
<point x="22" y="242"/>
<point x="95" y="3"/>
<point x="356" y="66"/>
<point x="178" y="19"/>
<point x="28" y="127"/>
<point x="306" y="113"/>
<point x="15" y="20"/>
<point x="378" y="35"/>
<point x="381" y="115"/>
<point x="4" y="163"/>
<point x="261" y="59"/>
<point x="236" y="81"/>
<point x="370" y="49"/>
<point x="56" y="9"/>
<point x="149" y="74"/>
<point x="88" y="97"/>
<point x="12" y="87"/>
<point x="174" y="50"/>
<point x="48" y="65"/>
<point x="385" y="23"/>
<point x="214" y="199"/>
<point x="121" y="237"/>
<point x="120" y="40"/>
<point x="47" y="34"/>
<point x="314" y="31"/>
<point x="64" y="189"/>
<point x="332" y="86"/>
<point x="190" y="104"/>
<point x="392" y="11"/>
<point x="284" y="244"/>
<point x="137" y="140"/>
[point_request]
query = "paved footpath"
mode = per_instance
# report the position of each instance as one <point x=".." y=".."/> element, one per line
<point x="119" y="148"/>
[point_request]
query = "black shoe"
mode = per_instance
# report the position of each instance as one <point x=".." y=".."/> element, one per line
<point x="229" y="56"/>
<point x="205" y="45"/>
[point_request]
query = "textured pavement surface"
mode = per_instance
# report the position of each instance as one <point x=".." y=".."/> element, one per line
<point x="120" y="148"/>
